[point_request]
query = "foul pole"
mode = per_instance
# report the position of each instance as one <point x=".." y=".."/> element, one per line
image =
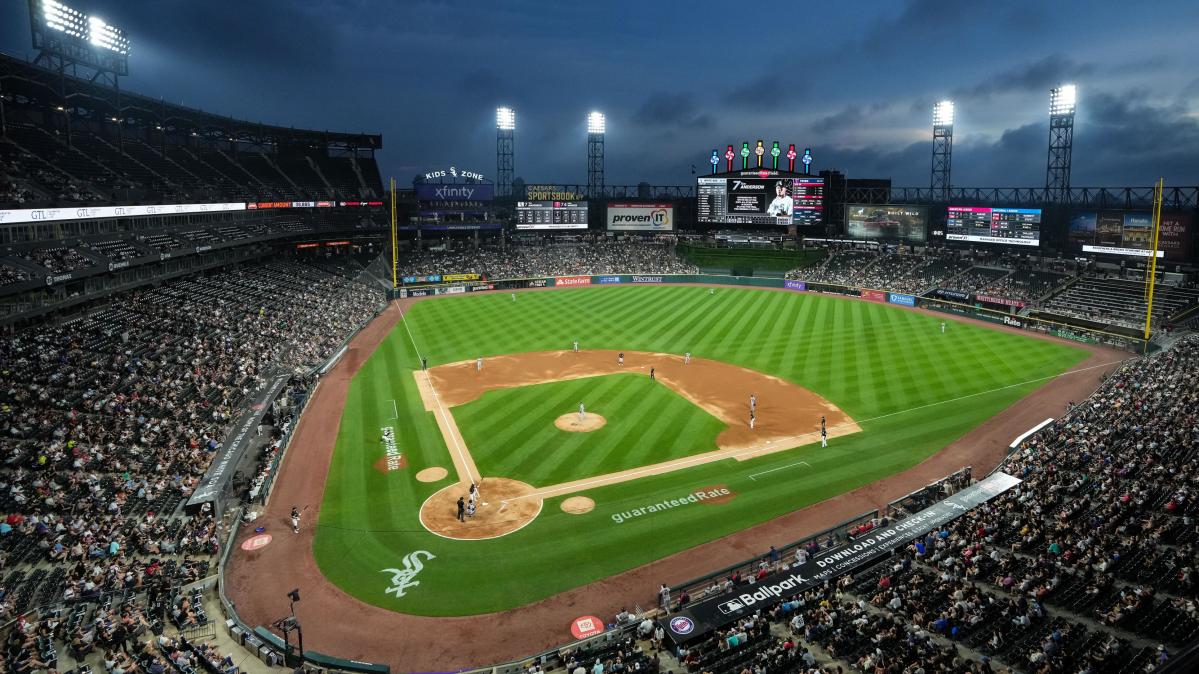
<point x="1157" y="221"/>
<point x="394" y="244"/>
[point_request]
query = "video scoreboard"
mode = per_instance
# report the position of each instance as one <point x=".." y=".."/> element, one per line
<point x="761" y="197"/>
<point x="1012" y="226"/>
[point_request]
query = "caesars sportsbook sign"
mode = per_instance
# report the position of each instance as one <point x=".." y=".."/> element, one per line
<point x="641" y="217"/>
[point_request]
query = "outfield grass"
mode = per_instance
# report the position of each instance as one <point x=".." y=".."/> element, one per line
<point x="646" y="423"/>
<point x="912" y="390"/>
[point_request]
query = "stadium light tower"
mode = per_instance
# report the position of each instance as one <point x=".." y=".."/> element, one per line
<point x="69" y="41"/>
<point x="505" y="128"/>
<point x="1061" y="142"/>
<point x="942" y="149"/>
<point x="595" y="154"/>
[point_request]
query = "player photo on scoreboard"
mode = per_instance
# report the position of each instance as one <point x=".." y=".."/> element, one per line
<point x="758" y="196"/>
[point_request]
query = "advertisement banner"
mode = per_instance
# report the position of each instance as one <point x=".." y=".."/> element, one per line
<point x="1173" y="236"/>
<point x="1014" y="322"/>
<point x="1117" y="250"/>
<point x="460" y="192"/>
<point x="711" y="613"/>
<point x="450" y="278"/>
<point x="874" y="295"/>
<point x="540" y="282"/>
<point x="795" y="285"/>
<point x="431" y="278"/>
<point x="955" y="295"/>
<point x="647" y="279"/>
<point x="900" y="298"/>
<point x="641" y="217"/>
<point x="572" y="281"/>
<point x="94" y="212"/>
<point x="482" y="287"/>
<point x="552" y="193"/>
<point x="999" y="300"/>
<point x="606" y="280"/>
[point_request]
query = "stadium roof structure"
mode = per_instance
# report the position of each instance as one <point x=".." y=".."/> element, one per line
<point x="31" y="86"/>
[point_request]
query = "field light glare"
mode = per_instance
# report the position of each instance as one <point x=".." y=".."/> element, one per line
<point x="90" y="29"/>
<point x="1062" y="100"/>
<point x="595" y="122"/>
<point x="505" y="119"/>
<point x="943" y="113"/>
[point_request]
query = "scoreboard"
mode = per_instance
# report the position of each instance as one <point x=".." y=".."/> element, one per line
<point x="551" y="215"/>
<point x="1012" y="226"/>
<point x="760" y="197"/>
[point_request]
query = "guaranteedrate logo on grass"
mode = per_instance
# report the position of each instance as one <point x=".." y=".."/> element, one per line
<point x="706" y="495"/>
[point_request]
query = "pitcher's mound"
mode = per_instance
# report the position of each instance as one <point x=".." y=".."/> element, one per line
<point x="570" y="422"/>
<point x="432" y="474"/>
<point x="505" y="506"/>
<point x="577" y="505"/>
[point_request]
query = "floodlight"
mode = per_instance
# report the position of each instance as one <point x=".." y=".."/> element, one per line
<point x="595" y="122"/>
<point x="943" y="113"/>
<point x="505" y="119"/>
<point x="1062" y="100"/>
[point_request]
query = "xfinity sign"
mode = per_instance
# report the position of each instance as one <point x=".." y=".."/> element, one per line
<point x="455" y="192"/>
<point x="641" y="217"/>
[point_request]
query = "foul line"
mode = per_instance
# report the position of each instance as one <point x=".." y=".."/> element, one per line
<point x="791" y="465"/>
<point x="457" y="445"/>
<point x="395" y="412"/>
<point x="570" y="488"/>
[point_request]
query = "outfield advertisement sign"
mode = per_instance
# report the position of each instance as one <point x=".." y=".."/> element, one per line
<point x="606" y="280"/>
<point x="431" y="278"/>
<point x="956" y="295"/>
<point x="706" y="615"/>
<point x="874" y="295"/>
<point x="572" y="281"/>
<point x="647" y="279"/>
<point x="451" y="278"/>
<point x="900" y="298"/>
<point x="1000" y="300"/>
<point x="795" y="285"/>
<point x="640" y="217"/>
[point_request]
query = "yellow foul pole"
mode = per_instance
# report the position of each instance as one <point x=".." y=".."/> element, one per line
<point x="1157" y="221"/>
<point x="394" y="244"/>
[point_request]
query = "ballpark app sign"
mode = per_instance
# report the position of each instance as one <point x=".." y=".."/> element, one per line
<point x="641" y="217"/>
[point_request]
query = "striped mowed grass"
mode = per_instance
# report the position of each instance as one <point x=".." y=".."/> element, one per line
<point x="912" y="389"/>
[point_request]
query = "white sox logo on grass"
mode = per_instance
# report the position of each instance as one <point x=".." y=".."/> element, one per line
<point x="402" y="579"/>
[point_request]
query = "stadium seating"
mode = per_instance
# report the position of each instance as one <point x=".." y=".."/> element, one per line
<point x="107" y="424"/>
<point x="1119" y="301"/>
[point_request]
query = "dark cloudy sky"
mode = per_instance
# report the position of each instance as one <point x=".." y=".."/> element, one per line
<point x="855" y="81"/>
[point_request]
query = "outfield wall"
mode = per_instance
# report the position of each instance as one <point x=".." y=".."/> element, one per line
<point x="961" y="304"/>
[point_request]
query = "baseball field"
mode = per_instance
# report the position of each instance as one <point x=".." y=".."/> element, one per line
<point x="652" y="467"/>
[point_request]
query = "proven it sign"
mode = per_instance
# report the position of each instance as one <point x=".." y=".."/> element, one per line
<point x="641" y="217"/>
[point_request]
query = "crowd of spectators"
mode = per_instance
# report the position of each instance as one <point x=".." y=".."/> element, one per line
<point x="108" y="422"/>
<point x="1026" y="285"/>
<point x="58" y="260"/>
<point x="12" y="275"/>
<point x="548" y="260"/>
<point x="976" y="278"/>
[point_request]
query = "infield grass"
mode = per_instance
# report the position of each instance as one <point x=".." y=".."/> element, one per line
<point x="646" y="423"/>
<point x="912" y="390"/>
